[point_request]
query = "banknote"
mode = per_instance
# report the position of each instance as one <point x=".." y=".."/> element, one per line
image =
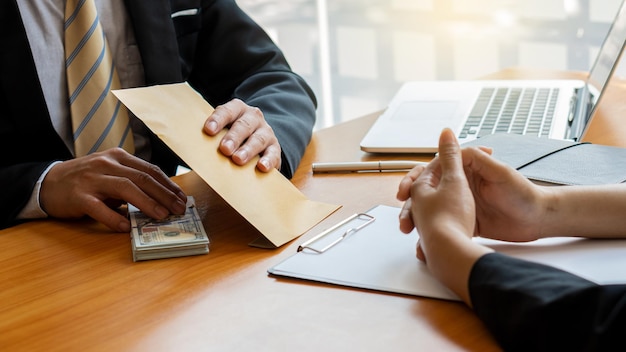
<point x="174" y="236"/>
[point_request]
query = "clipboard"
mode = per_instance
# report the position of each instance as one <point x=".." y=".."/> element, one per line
<point x="369" y="251"/>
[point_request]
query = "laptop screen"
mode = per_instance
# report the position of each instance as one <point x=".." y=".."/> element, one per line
<point x="607" y="58"/>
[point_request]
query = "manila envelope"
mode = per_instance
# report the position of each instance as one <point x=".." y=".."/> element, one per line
<point x="268" y="201"/>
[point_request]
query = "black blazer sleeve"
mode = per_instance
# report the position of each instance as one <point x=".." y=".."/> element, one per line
<point x="226" y="55"/>
<point x="28" y="142"/>
<point x="534" y="307"/>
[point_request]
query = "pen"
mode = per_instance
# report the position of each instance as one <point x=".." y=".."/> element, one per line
<point x="359" y="166"/>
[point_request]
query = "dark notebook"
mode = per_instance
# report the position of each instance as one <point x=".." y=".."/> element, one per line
<point x="558" y="161"/>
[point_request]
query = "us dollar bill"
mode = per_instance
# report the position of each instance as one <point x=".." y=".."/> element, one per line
<point x="174" y="236"/>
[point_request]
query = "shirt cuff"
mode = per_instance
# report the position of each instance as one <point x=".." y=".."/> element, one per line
<point x="33" y="209"/>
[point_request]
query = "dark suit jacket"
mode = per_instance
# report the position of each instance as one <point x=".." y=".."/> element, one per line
<point x="220" y="51"/>
<point x="534" y="307"/>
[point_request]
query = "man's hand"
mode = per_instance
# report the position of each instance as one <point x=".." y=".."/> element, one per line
<point x="249" y="134"/>
<point x="95" y="184"/>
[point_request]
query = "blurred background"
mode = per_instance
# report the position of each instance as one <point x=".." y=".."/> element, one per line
<point x="355" y="54"/>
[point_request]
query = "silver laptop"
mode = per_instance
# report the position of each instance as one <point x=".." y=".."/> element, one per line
<point x="559" y="109"/>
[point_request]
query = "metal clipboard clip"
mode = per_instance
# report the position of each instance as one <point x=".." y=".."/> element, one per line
<point x="364" y="219"/>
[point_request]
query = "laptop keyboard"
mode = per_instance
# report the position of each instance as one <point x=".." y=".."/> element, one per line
<point x="512" y="110"/>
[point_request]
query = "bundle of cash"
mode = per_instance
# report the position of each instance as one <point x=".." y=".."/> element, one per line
<point x="174" y="236"/>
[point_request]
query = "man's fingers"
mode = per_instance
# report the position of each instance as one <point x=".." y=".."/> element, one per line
<point x="248" y="136"/>
<point x="151" y="199"/>
<point x="154" y="172"/>
<point x="137" y="181"/>
<point x="99" y="211"/>
<point x="222" y="116"/>
<point x="243" y="121"/>
<point x="271" y="158"/>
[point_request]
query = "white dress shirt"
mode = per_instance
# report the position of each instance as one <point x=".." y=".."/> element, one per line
<point x="43" y="20"/>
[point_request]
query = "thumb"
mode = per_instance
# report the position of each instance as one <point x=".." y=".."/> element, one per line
<point x="449" y="154"/>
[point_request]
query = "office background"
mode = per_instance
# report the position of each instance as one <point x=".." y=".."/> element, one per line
<point x="356" y="53"/>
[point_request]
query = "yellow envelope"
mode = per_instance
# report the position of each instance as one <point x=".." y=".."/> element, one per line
<point x="176" y="113"/>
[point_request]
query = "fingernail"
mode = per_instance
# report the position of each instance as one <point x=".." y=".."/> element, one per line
<point x="161" y="212"/>
<point x="179" y="207"/>
<point x="229" y="145"/>
<point x="265" y="163"/>
<point x="243" y="155"/>
<point x="182" y="196"/>
<point x="212" y="126"/>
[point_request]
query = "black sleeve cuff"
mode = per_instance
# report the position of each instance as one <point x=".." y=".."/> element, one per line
<point x="534" y="307"/>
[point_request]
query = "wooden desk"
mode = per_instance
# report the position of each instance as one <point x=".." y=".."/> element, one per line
<point x="73" y="285"/>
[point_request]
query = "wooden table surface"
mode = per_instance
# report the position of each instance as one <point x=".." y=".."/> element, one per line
<point x="73" y="285"/>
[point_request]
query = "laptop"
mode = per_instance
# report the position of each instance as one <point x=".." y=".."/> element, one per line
<point x="558" y="109"/>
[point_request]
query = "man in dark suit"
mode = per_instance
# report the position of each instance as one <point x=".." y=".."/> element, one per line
<point x="211" y="44"/>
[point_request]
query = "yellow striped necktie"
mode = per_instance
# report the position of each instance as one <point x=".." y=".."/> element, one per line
<point x="99" y="120"/>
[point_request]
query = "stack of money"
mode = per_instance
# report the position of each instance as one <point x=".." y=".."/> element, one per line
<point x="174" y="236"/>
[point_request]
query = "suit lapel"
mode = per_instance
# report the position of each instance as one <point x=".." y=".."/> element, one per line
<point x="156" y="38"/>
